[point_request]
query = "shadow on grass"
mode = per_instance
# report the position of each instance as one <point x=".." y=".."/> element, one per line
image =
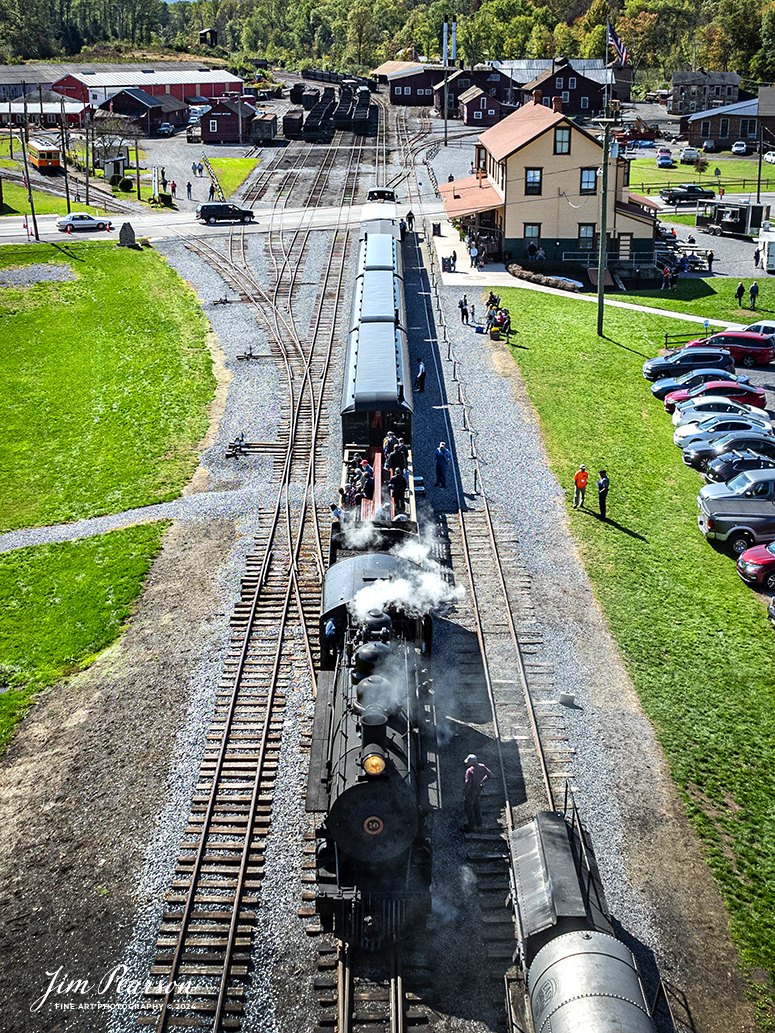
<point x="626" y="348"/>
<point x="613" y="523"/>
<point x="688" y="290"/>
<point x="6" y="209"/>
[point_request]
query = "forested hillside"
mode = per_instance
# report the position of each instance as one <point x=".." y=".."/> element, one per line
<point x="734" y="35"/>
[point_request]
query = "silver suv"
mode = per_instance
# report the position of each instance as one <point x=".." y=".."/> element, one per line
<point x="740" y="512"/>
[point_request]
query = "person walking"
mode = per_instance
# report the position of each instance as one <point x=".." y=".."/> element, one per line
<point x="506" y="327"/>
<point x="188" y="190"/>
<point x="398" y="485"/>
<point x="580" y="479"/>
<point x="473" y="253"/>
<point x="711" y="259"/>
<point x="473" y="312"/>
<point x="674" y="279"/>
<point x="602" y="492"/>
<point x="665" y="279"/>
<point x="211" y="195"/>
<point x="756" y="258"/>
<point x="193" y="168"/>
<point x="410" y="220"/>
<point x="453" y="262"/>
<point x="753" y="293"/>
<point x="419" y="380"/>
<point x="740" y="294"/>
<point x="475" y="777"/>
<point x="173" y="187"/>
<point x="200" y="168"/>
<point x="163" y="172"/>
<point x="164" y="183"/>
<point x="463" y="306"/>
<point x="443" y="459"/>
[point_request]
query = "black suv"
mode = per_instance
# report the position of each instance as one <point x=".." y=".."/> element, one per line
<point x="686" y="192"/>
<point x="731" y="464"/>
<point x="736" y="441"/>
<point x="218" y="211"/>
<point x="686" y="359"/>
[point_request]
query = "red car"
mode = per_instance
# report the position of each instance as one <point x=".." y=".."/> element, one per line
<point x="745" y="394"/>
<point x="746" y="347"/>
<point x="756" y="565"/>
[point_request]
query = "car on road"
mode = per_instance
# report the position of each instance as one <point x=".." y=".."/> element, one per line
<point x="688" y="411"/>
<point x="686" y="192"/>
<point x="664" y="161"/>
<point x="708" y="146"/>
<point x="221" y="211"/>
<point x="687" y="359"/>
<point x="740" y="147"/>
<point x="700" y="455"/>
<point x="692" y="379"/>
<point x="729" y="465"/>
<point x="768" y="329"/>
<point x="769" y="157"/>
<point x="756" y="566"/>
<point x="83" y="221"/>
<point x="165" y="129"/>
<point x="694" y="434"/>
<point x="745" y="394"/>
<point x="741" y="512"/>
<point x="746" y="347"/>
<point x="689" y="155"/>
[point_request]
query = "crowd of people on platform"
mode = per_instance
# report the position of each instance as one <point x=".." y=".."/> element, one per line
<point x="360" y="477"/>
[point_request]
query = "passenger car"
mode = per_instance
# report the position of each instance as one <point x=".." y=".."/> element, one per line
<point x="699" y="455"/>
<point x="706" y="431"/>
<point x="756" y="565"/>
<point x="727" y="466"/>
<point x="692" y="378"/>
<point x="165" y="129"/>
<point x="685" y="360"/>
<point x="770" y="157"/>
<point x="708" y="146"/>
<point x="218" y="211"/>
<point x="741" y="512"/>
<point x="690" y="410"/>
<point x="740" y="147"/>
<point x="83" y="221"/>
<point x="664" y="161"/>
<point x="768" y="329"/>
<point x="745" y="394"/>
<point x="689" y="155"/>
<point x="686" y="192"/>
<point x="744" y="346"/>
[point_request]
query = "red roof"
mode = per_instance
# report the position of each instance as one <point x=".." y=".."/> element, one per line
<point x="469" y="195"/>
<point x="528" y="122"/>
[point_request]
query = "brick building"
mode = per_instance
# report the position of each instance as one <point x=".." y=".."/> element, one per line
<point x="580" y="94"/>
<point x="702" y="91"/>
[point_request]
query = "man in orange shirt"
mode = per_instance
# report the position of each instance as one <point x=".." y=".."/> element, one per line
<point x="580" y="479"/>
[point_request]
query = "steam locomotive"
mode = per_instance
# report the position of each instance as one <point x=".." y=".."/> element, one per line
<point x="372" y="765"/>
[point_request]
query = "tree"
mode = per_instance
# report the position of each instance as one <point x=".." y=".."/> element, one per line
<point x="361" y="31"/>
<point x="700" y="165"/>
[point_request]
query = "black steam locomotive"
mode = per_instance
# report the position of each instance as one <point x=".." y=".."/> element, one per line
<point x="372" y="766"/>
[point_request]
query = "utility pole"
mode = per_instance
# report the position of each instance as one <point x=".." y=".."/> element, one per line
<point x="446" y="73"/>
<point x="29" y="192"/>
<point x="137" y="165"/>
<point x="603" y="241"/>
<point x="759" y="177"/>
<point x="87" y="162"/>
<point x="64" y="155"/>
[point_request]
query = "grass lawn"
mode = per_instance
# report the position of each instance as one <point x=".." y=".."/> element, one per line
<point x="712" y="297"/>
<point x="16" y="202"/>
<point x="106" y="379"/>
<point x="232" y="172"/>
<point x="61" y="604"/>
<point x="645" y="177"/>
<point x="695" y="639"/>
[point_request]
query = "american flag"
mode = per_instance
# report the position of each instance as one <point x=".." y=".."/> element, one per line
<point x="616" y="43"/>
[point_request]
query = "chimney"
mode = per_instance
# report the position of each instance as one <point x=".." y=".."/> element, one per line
<point x="537" y="98"/>
<point x="557" y="104"/>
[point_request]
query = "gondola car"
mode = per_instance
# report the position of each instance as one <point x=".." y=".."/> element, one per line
<point x="576" y="974"/>
<point x="373" y="774"/>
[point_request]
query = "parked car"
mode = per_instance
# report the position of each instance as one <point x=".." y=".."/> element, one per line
<point x="756" y="566"/>
<point x="746" y="347"/>
<point x="745" y="394"/>
<point x="218" y="211"/>
<point x="694" y="434"/>
<point x="708" y="146"/>
<point x="770" y="157"/>
<point x="664" y="150"/>
<point x="700" y="455"/>
<point x="741" y="512"/>
<point x="83" y="221"/>
<point x="692" y="379"/>
<point x="729" y="465"/>
<point x="768" y="329"/>
<point x="690" y="410"/>
<point x="740" y="147"/>
<point x="686" y="192"/>
<point x="689" y="155"/>
<point x="687" y="359"/>
<point x="664" y="161"/>
<point x="165" y="129"/>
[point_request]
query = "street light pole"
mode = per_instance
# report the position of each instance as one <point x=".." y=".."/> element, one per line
<point x="602" y="249"/>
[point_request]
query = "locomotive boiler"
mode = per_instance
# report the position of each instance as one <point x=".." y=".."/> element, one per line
<point x="372" y="763"/>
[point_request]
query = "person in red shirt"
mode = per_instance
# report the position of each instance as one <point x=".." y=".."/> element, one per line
<point x="580" y="479"/>
<point x="476" y="775"/>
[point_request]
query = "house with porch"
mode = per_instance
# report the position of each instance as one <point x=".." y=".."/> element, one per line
<point x="538" y="183"/>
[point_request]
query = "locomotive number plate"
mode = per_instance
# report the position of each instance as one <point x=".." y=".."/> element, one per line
<point x="373" y="826"/>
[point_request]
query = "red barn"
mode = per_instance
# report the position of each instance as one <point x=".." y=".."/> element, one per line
<point x="227" y="121"/>
<point x="94" y="88"/>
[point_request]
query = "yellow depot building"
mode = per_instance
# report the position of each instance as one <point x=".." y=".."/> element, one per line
<point x="538" y="187"/>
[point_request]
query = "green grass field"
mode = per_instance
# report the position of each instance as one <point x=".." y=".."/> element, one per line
<point x="61" y="604"/>
<point x="712" y="298"/>
<point x="695" y="639"/>
<point x="645" y="177"/>
<point x="232" y="172"/>
<point x="107" y="380"/>
<point x="16" y="202"/>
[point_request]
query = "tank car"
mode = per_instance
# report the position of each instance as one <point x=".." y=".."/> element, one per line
<point x="373" y="763"/>
<point x="576" y="974"/>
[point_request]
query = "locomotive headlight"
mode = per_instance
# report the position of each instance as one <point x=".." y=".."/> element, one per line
<point x="374" y="763"/>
